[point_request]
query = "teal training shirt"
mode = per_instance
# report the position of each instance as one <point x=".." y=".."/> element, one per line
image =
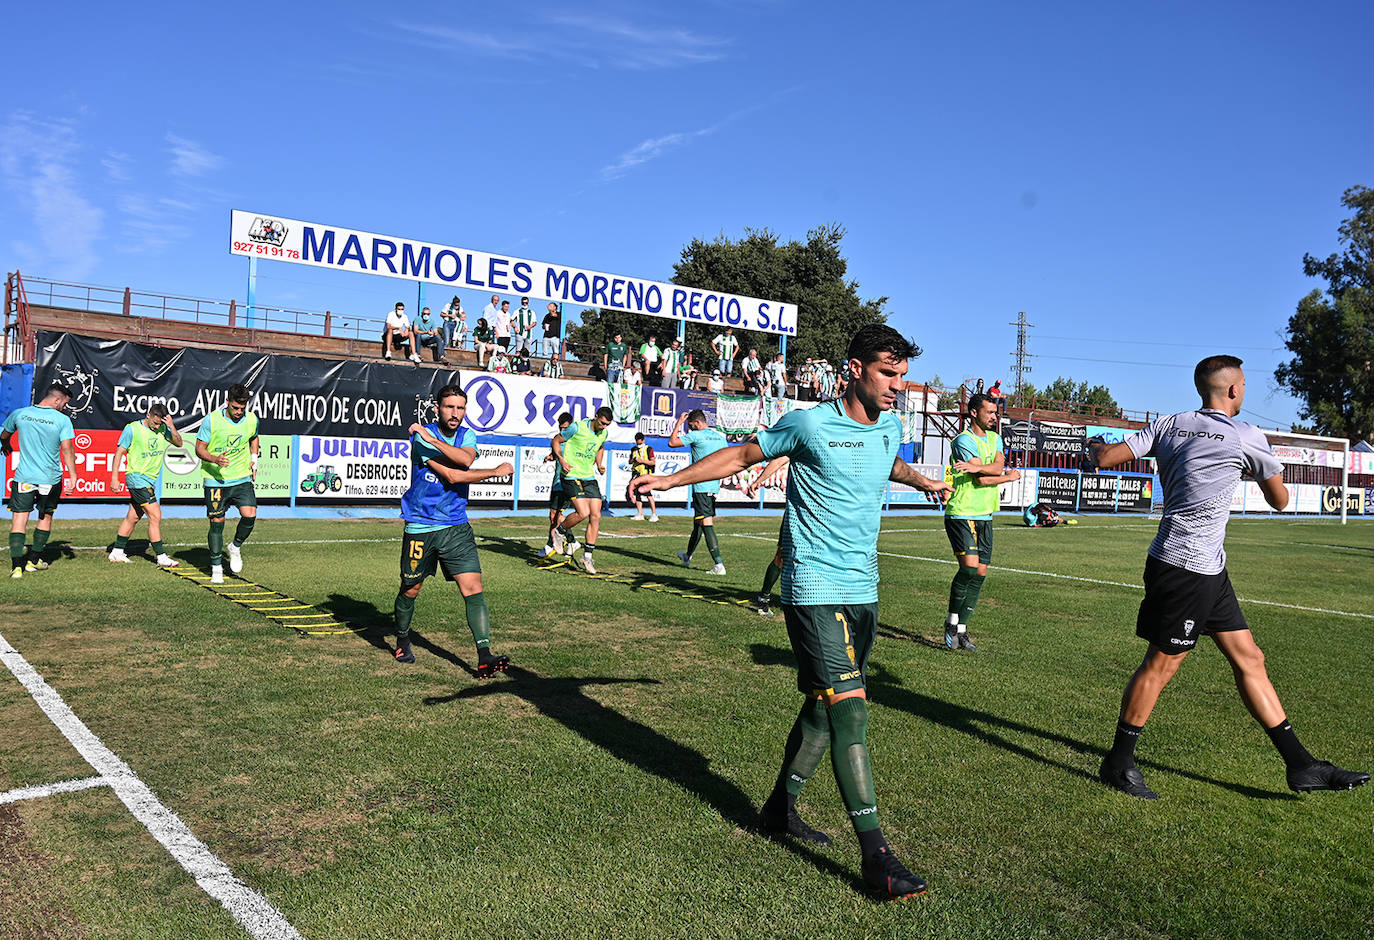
<point x="701" y="443"/>
<point x="41" y="431"/>
<point x="835" y="488"/>
<point x="1029" y="516"/>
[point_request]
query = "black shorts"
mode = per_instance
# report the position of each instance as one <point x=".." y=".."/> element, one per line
<point x="24" y="497"/>
<point x="831" y="643"/>
<point x="970" y="537"/>
<point x="703" y="505"/>
<point x="140" y="496"/>
<point x="399" y="340"/>
<point x="1180" y="606"/>
<point x="558" y="500"/>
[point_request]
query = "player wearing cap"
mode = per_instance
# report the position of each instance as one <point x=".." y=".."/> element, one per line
<point x="1202" y="456"/>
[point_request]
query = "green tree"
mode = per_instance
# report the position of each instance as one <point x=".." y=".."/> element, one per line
<point x="1331" y="335"/>
<point x="1079" y="398"/>
<point x="809" y="275"/>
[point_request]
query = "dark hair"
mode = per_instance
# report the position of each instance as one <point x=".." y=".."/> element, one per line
<point x="482" y="321"/>
<point x="639" y="436"/>
<point x="604" y="412"/>
<point x="158" y="411"/>
<point x="59" y="388"/>
<point x="448" y="391"/>
<point x="1209" y="367"/>
<point x="239" y="392"/>
<point x="872" y="341"/>
<point x="696" y="414"/>
<point x="978" y="400"/>
<point x="565" y="418"/>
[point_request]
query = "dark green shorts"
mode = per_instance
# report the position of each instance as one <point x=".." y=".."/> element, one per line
<point x="24" y="497"/>
<point x="558" y="500"/>
<point x="970" y="537"/>
<point x="140" y="496"/>
<point x="581" y="489"/>
<point x="703" y="505"/>
<point x="218" y="498"/>
<point x="831" y="643"/>
<point x="452" y="548"/>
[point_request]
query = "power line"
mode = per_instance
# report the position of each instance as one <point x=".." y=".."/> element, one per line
<point x="1118" y="362"/>
<point x="1133" y="342"/>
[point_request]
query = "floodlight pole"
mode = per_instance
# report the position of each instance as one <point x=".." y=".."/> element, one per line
<point x="252" y="288"/>
<point x="419" y="297"/>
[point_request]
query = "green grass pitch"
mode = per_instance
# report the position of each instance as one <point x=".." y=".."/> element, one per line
<point x="604" y="786"/>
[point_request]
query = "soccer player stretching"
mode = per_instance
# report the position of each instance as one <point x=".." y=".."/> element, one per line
<point x="977" y="467"/>
<point x="558" y="502"/>
<point x="227" y="446"/>
<point x="437" y="533"/>
<point x="1202" y="456"/>
<point x="578" y="448"/>
<point x="703" y="440"/>
<point x="145" y="442"/>
<point x="764" y="602"/>
<point x="45" y="444"/>
<point x="843" y="454"/>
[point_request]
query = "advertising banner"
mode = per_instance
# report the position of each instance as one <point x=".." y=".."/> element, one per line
<point x="528" y="406"/>
<point x="666" y="462"/>
<point x="899" y="494"/>
<point x="115" y="381"/>
<point x="661" y="407"/>
<point x="350" y="468"/>
<point x="1018" y="494"/>
<point x="1109" y="434"/>
<point x="1048" y="438"/>
<point x="1369" y="501"/>
<point x="293" y="241"/>
<point x="181" y="476"/>
<point x="1135" y="493"/>
<point x="95" y="462"/>
<point x="1097" y="492"/>
<point x="502" y="488"/>
<point x="536" y="476"/>
<point x="1331" y="500"/>
<point x="1059" y="488"/>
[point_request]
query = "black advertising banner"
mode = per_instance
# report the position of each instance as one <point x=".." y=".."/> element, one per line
<point x="1137" y="493"/>
<point x="1097" y="492"/>
<point x="1017" y="435"/>
<point x="1059" y="488"/>
<point x="1069" y="439"/>
<point x="114" y="382"/>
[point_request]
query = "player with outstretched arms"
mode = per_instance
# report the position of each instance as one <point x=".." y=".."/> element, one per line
<point x="143" y="443"/>
<point x="1202" y="456"/>
<point x="843" y="453"/>
<point x="437" y="532"/>
<point x="227" y="446"/>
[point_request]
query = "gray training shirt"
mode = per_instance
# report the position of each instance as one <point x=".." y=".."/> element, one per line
<point x="1201" y="456"/>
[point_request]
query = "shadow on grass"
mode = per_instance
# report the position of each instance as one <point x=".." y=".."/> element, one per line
<point x="994" y="729"/>
<point x="564" y="700"/>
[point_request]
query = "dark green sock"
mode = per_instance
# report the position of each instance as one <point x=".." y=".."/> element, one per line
<point x="696" y="537"/>
<point x="121" y="542"/>
<point x="157" y="548"/>
<point x="712" y="545"/>
<point x="40" y="540"/>
<point x="770" y="577"/>
<point x="958" y="590"/>
<point x="975" y="585"/>
<point x="244" y="529"/>
<point x="806" y="747"/>
<point x="849" y="756"/>
<point x="17" y="549"/>
<point x="403" y="610"/>
<point x="479" y="621"/>
<point x="215" y="541"/>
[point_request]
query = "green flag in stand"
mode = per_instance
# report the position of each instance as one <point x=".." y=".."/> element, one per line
<point x="624" y="401"/>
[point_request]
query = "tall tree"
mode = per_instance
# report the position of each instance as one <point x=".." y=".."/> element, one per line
<point x="1331" y="335"/>
<point x="1072" y="397"/>
<point x="809" y="275"/>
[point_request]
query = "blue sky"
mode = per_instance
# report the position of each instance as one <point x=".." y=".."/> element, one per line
<point x="1142" y="182"/>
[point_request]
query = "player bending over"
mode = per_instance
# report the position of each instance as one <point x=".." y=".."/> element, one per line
<point x="1202" y="456"/>
<point x="437" y="533"/>
<point x="843" y="453"/>
<point x="145" y="444"/>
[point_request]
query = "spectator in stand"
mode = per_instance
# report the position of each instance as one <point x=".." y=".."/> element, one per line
<point x="429" y="331"/>
<point x="596" y="372"/>
<point x="672" y="365"/>
<point x="398" y="334"/>
<point x="649" y="354"/>
<point x="726" y="347"/>
<point x="806" y="381"/>
<point x="483" y="340"/>
<point x="615" y="357"/>
<point x="753" y="373"/>
<point x="491" y="310"/>
<point x="689" y="372"/>
<point x="826" y="381"/>
<point x="520" y="362"/>
<point x="777" y="377"/>
<point x="553" y="369"/>
<point x="452" y="313"/>
<point x="715" y="383"/>
<point x="632" y="375"/>
<point x="499" y="361"/>
<point x="502" y="325"/>
<point x="998" y="397"/>
<point x="841" y="383"/>
<point x="524" y="327"/>
<point x="553" y="332"/>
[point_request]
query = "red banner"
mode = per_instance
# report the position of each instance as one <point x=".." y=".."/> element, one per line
<point x="95" y="454"/>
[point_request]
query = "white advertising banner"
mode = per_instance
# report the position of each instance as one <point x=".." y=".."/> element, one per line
<point x="901" y="494"/>
<point x="255" y="234"/>
<point x="500" y="488"/>
<point x="536" y="476"/>
<point x="352" y="468"/>
<point x="528" y="406"/>
<point x="618" y="463"/>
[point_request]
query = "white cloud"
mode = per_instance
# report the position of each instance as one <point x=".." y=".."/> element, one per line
<point x="649" y="150"/>
<point x="38" y="161"/>
<point x="631" y="46"/>
<point x="117" y="165"/>
<point x="190" y="158"/>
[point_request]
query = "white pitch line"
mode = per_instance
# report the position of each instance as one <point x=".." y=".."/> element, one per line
<point x="1074" y="577"/>
<point x="254" y="912"/>
<point x="48" y="789"/>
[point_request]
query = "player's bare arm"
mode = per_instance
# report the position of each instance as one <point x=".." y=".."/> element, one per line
<point x="717" y="466"/>
<point x="558" y="453"/>
<point x="979" y="469"/>
<point x="452" y="474"/>
<point x="68" y="452"/>
<point x="203" y="452"/>
<point x="172" y="432"/>
<point x="1275" y="492"/>
<point x="1105" y="456"/>
<point x="903" y="472"/>
<point x="5" y="442"/>
<point x="675" y="439"/>
<point x="119" y="455"/>
<point x="461" y="457"/>
<point x="769" y="471"/>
